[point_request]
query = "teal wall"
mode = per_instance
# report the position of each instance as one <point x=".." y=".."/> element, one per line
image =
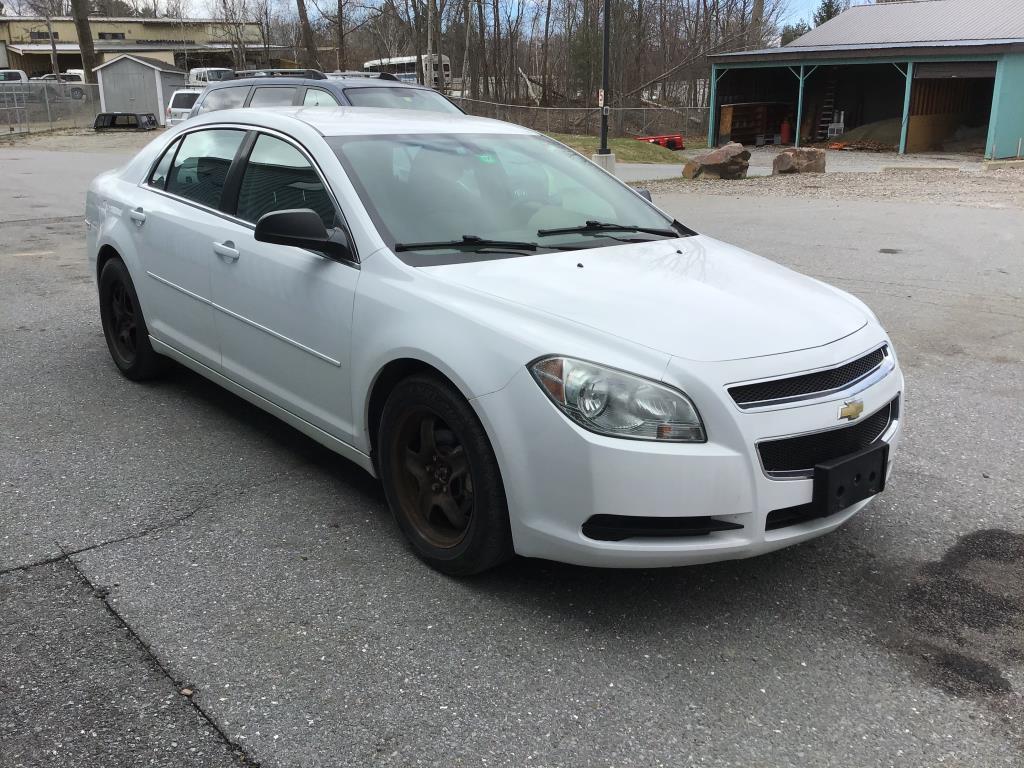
<point x="1006" y="127"/>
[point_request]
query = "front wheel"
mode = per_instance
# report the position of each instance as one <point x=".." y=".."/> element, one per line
<point x="441" y="478"/>
<point x="124" y="326"/>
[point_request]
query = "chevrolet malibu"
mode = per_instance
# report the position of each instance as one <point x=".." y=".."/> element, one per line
<point x="531" y="356"/>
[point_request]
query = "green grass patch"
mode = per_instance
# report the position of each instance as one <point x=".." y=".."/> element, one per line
<point x="626" y="150"/>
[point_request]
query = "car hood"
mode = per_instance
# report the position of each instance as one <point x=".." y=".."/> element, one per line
<point x="695" y="297"/>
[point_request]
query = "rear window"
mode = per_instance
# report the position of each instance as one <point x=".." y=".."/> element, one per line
<point x="224" y="98"/>
<point x="183" y="100"/>
<point x="400" y="98"/>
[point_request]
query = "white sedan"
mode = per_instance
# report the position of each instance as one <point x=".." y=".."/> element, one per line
<point x="531" y="356"/>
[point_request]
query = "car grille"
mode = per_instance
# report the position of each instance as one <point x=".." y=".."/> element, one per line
<point x="800" y="454"/>
<point x="808" y="384"/>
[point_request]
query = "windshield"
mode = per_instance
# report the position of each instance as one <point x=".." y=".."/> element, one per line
<point x="400" y="98"/>
<point x="219" y="74"/>
<point x="439" y="188"/>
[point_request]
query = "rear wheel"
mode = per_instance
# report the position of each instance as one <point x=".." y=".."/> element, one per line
<point x="441" y="478"/>
<point x="124" y="325"/>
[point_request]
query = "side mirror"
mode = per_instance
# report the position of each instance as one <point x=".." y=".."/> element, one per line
<point x="303" y="228"/>
<point x="645" y="194"/>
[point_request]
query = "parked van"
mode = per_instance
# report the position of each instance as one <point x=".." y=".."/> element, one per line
<point x="180" y="105"/>
<point x="13" y="76"/>
<point x="203" y="76"/>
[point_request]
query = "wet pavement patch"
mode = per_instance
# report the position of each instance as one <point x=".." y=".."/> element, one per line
<point x="964" y="614"/>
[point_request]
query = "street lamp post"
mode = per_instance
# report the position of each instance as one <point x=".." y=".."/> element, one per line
<point x="604" y="156"/>
<point x="604" y="79"/>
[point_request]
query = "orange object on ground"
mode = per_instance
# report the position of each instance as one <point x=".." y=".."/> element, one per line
<point x="673" y="141"/>
<point x="786" y="132"/>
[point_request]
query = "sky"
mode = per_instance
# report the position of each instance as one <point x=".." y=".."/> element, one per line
<point x="800" y="9"/>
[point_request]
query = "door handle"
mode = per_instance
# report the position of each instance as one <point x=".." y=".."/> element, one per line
<point x="226" y="250"/>
<point x="138" y="216"/>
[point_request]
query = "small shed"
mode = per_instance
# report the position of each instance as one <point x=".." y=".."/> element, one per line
<point x="131" y="83"/>
<point x="918" y="76"/>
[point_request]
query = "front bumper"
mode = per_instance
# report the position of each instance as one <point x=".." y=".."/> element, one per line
<point x="558" y="475"/>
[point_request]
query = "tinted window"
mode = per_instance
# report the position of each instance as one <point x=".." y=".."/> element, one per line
<point x="318" y="98"/>
<point x="224" y="98"/>
<point x="400" y="98"/>
<point x="279" y="177"/>
<point x="202" y="163"/>
<point x="9" y="76"/>
<point x="159" y="176"/>
<point x="273" y="97"/>
<point x="183" y="100"/>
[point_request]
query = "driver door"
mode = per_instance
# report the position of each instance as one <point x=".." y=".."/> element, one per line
<point x="285" y="313"/>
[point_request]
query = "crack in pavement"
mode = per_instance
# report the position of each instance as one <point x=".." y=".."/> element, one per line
<point x="157" y="528"/>
<point x="101" y="594"/>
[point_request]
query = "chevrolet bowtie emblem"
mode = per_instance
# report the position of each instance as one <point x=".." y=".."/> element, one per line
<point x="851" y="410"/>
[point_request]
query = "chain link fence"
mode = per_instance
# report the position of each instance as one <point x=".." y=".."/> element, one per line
<point x="623" y="122"/>
<point x="47" y="105"/>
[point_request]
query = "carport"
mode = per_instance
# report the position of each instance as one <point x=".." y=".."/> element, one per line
<point x="130" y="83"/>
<point x="889" y="75"/>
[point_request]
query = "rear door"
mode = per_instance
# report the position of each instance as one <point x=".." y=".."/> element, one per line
<point x="176" y="220"/>
<point x="285" y="313"/>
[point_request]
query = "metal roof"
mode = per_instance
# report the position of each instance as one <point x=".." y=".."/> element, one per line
<point x="148" y="61"/>
<point x="119" y="19"/>
<point x="920" y="21"/>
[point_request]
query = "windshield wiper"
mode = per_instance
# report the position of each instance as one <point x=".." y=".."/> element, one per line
<point x="468" y="242"/>
<point x="594" y="227"/>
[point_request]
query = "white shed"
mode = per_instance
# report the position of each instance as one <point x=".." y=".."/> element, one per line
<point x="131" y="83"/>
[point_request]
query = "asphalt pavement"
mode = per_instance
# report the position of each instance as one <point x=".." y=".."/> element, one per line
<point x="185" y="581"/>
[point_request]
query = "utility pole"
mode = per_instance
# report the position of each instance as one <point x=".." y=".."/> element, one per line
<point x="604" y="156"/>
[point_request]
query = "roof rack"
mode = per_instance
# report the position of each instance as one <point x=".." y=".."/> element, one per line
<point x="309" y="74"/>
<point x="340" y="75"/>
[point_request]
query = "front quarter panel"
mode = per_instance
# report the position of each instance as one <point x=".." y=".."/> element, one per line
<point x="476" y="340"/>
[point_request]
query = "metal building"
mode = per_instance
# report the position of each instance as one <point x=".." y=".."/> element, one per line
<point x="130" y="83"/>
<point x="918" y="75"/>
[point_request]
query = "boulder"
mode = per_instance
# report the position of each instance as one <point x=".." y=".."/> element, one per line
<point x="799" y="161"/>
<point x="727" y="162"/>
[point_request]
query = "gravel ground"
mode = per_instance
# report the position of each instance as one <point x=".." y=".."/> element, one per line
<point x="1003" y="188"/>
<point x="82" y="140"/>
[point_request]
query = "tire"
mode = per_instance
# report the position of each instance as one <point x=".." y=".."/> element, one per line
<point x="441" y="478"/>
<point x="77" y="94"/>
<point x="124" y="326"/>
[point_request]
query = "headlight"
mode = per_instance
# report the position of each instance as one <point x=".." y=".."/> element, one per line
<point x="618" y="404"/>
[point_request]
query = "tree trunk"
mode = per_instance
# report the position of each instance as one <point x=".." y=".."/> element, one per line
<point x="439" y="66"/>
<point x="545" y="83"/>
<point x="54" y="65"/>
<point x="308" y="43"/>
<point x="468" y="20"/>
<point x="482" y="55"/>
<point x="80" y="10"/>
<point x="341" y="36"/>
<point x="756" y="22"/>
<point x="499" y="88"/>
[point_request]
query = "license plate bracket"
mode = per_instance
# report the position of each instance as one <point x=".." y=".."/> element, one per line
<point x="843" y="482"/>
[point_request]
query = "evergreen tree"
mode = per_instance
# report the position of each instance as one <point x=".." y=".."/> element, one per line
<point x="791" y="32"/>
<point x="829" y="9"/>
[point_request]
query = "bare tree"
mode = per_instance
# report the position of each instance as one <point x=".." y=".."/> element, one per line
<point x="311" y="57"/>
<point x="80" y="10"/>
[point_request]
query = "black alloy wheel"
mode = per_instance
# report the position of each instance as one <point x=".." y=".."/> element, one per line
<point x="124" y="328"/>
<point x="441" y="477"/>
<point x="124" y="325"/>
<point x="435" y="488"/>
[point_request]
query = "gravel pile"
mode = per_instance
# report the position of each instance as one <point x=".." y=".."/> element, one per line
<point x="1002" y="188"/>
